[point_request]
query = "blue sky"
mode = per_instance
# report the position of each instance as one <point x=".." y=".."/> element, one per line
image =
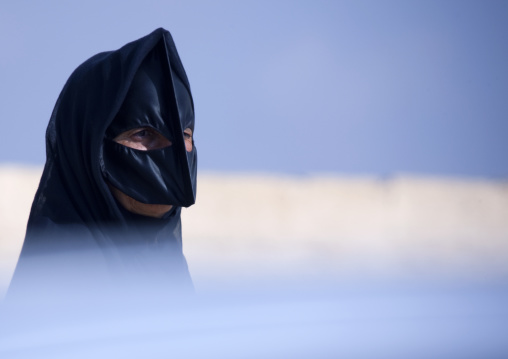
<point x="347" y="87"/>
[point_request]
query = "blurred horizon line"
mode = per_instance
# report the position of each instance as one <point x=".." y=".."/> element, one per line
<point x="341" y="175"/>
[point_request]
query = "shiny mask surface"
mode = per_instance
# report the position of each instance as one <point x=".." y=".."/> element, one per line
<point x="157" y="99"/>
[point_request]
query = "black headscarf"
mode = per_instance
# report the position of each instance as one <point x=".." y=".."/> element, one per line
<point x="73" y="209"/>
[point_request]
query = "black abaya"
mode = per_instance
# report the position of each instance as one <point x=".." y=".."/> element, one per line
<point x="74" y="210"/>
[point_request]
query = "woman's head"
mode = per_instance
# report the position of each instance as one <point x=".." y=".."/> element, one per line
<point x="125" y="118"/>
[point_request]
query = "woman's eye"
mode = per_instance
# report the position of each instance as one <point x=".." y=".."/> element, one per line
<point x="187" y="134"/>
<point x="141" y="133"/>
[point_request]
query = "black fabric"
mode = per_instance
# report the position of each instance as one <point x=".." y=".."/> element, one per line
<point x="73" y="209"/>
<point x="158" y="99"/>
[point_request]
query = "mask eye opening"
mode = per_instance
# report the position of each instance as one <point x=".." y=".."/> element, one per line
<point x="144" y="138"/>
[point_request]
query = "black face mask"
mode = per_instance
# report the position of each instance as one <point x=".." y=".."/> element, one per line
<point x="158" y="99"/>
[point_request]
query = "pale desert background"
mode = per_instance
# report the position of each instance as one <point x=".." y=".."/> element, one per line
<point x="252" y="225"/>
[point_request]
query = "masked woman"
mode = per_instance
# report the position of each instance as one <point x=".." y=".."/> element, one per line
<point x="121" y="162"/>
